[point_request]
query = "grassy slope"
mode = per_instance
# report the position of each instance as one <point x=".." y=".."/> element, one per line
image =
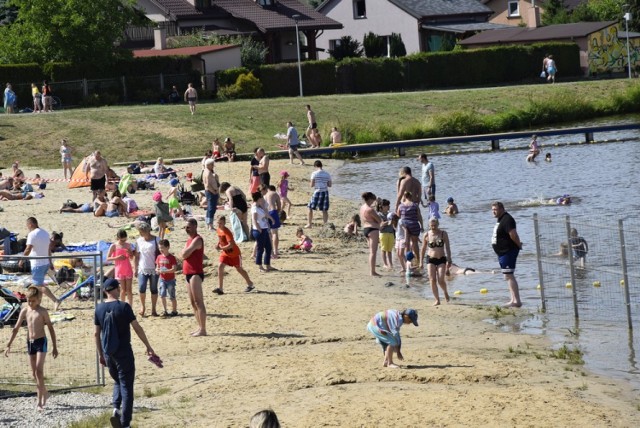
<point x="145" y="132"/>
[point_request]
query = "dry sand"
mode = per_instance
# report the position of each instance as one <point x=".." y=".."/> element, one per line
<point x="299" y="344"/>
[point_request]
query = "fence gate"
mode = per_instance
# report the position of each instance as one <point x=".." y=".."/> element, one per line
<point x="77" y="365"/>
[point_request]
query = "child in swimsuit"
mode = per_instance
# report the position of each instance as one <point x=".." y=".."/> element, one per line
<point x="37" y="318"/>
<point x="351" y="228"/>
<point x="305" y="243"/>
<point x="283" y="190"/>
<point x="172" y="198"/>
<point x="121" y="253"/>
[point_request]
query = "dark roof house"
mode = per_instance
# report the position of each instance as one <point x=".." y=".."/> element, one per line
<point x="268" y="20"/>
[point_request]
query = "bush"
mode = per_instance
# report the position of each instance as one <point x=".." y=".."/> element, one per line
<point x="246" y="86"/>
<point x="374" y="45"/>
<point x="229" y="76"/>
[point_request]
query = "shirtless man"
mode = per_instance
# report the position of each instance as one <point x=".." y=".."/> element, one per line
<point x="311" y="118"/>
<point x="229" y="149"/>
<point x="407" y="183"/>
<point x="191" y="96"/>
<point x="274" y="204"/>
<point x="263" y="167"/>
<point x="335" y="137"/>
<point x="95" y="169"/>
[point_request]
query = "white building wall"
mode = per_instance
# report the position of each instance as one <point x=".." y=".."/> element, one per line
<point x="383" y="18"/>
<point x="221" y="60"/>
<point x="152" y="11"/>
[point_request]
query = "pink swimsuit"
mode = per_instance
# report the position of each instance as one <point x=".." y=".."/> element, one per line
<point x="123" y="267"/>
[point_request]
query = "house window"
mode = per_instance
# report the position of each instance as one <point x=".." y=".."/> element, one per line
<point x="513" y="8"/>
<point x="359" y="9"/>
<point x="333" y="44"/>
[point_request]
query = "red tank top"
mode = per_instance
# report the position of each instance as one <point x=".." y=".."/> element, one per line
<point x="192" y="265"/>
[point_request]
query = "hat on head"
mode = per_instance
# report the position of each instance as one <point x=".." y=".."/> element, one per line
<point x="110" y="284"/>
<point x="450" y="199"/>
<point x="157" y="197"/>
<point x="209" y="162"/>
<point x="174" y="182"/>
<point x="409" y="256"/>
<point x="284" y="173"/>
<point x="413" y="314"/>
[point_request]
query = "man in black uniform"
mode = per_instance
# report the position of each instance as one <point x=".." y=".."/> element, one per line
<point x="506" y="243"/>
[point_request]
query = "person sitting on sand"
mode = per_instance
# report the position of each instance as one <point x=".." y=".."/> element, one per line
<point x="385" y="327"/>
<point x="452" y="208"/>
<point x="162" y="171"/>
<point x="18" y="175"/>
<point x="116" y="206"/>
<point x="229" y="149"/>
<point x="6" y="183"/>
<point x="100" y="204"/>
<point x="335" y="137"/>
<point x="351" y="228"/>
<point x="6" y="195"/>
<point x="305" y="243"/>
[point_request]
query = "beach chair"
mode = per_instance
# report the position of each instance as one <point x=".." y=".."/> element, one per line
<point x="11" y="310"/>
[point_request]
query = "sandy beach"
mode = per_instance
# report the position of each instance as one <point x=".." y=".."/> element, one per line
<point x="299" y="344"/>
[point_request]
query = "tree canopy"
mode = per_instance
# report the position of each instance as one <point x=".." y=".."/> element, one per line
<point x="556" y="12"/>
<point x="65" y="30"/>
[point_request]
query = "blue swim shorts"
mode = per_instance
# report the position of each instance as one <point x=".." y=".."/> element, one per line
<point x="508" y="261"/>
<point x="38" y="273"/>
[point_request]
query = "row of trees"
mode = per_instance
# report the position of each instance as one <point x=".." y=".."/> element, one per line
<point x="557" y="12"/>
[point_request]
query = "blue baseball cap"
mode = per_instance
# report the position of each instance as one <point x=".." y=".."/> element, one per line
<point x="409" y="256"/>
<point x="110" y="284"/>
<point x="413" y="314"/>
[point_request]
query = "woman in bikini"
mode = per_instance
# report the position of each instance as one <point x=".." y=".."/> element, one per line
<point x="371" y="228"/>
<point x="436" y="247"/>
<point x="409" y="213"/>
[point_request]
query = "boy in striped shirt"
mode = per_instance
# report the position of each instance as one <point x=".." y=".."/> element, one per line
<point x="385" y="327"/>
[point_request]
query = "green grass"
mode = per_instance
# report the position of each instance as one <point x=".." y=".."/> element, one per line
<point x="572" y="355"/>
<point x="93" y="421"/>
<point x="143" y="132"/>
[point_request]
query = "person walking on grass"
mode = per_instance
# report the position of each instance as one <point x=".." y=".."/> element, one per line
<point x="320" y="181"/>
<point x="192" y="267"/>
<point x="113" y="341"/>
<point x="37" y="318"/>
<point x="191" y="97"/>
<point x="229" y="256"/>
<point x="507" y="245"/>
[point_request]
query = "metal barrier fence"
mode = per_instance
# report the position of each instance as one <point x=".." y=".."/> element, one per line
<point x="152" y="89"/>
<point x="77" y="365"/>
<point x="590" y="267"/>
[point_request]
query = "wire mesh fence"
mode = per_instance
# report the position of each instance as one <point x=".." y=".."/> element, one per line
<point x="589" y="268"/>
<point x="77" y="365"/>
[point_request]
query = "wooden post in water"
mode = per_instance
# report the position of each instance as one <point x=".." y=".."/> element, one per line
<point x="588" y="137"/>
<point x="625" y="275"/>
<point x="495" y="145"/>
<point x="536" y="228"/>
<point x="401" y="151"/>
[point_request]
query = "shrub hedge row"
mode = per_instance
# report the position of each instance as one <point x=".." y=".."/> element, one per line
<point x="493" y="65"/>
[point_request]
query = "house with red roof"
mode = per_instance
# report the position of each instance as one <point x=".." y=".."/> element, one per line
<point x="271" y="21"/>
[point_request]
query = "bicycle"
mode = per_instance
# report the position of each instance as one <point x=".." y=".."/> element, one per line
<point x="56" y="103"/>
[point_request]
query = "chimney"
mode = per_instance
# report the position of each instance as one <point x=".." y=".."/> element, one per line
<point x="159" y="38"/>
<point x="533" y="17"/>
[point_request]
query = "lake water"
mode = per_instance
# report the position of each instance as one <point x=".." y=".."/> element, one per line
<point x="603" y="179"/>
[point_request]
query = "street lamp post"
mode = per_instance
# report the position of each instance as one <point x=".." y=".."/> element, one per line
<point x="627" y="18"/>
<point x="295" y="19"/>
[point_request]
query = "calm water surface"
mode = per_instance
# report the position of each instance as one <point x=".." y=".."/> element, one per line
<point x="602" y="177"/>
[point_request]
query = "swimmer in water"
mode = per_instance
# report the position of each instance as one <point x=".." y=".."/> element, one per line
<point x="547" y="157"/>
<point x="457" y="270"/>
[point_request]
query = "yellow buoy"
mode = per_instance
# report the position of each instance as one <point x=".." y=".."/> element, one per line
<point x="538" y="287"/>
<point x="457" y="292"/>
<point x="483" y="291"/>
<point x="568" y="285"/>
<point x="622" y="282"/>
<point x="596" y="283"/>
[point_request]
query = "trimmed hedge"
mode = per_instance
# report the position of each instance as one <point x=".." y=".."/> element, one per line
<point x="494" y="65"/>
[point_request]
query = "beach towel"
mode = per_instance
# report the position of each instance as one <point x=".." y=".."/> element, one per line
<point x="236" y="228"/>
